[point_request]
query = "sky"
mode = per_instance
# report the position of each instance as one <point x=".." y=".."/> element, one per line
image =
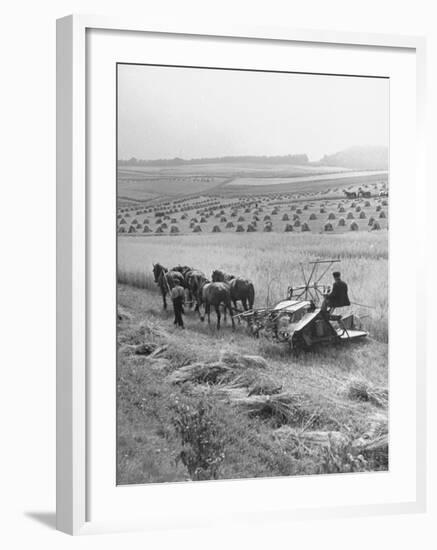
<point x="167" y="112"/>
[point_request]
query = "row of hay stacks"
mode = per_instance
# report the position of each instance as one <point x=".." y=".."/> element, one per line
<point x="328" y="227"/>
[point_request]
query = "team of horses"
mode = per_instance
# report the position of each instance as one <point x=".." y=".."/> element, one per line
<point x="223" y="289"/>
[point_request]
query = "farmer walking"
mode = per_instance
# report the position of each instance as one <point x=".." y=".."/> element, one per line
<point x="178" y="298"/>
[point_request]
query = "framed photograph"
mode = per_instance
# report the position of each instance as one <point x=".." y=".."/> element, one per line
<point x="235" y="210"/>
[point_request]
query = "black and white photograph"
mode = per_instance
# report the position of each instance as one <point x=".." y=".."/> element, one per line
<point x="252" y="274"/>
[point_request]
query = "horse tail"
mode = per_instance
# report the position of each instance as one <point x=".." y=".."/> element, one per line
<point x="251" y="295"/>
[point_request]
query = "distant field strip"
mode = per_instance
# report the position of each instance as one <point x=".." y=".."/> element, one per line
<point x="256" y="181"/>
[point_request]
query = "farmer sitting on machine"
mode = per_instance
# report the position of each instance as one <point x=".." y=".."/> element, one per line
<point x="338" y="296"/>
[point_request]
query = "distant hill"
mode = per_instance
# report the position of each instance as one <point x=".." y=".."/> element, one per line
<point x="360" y="158"/>
<point x="278" y="159"/>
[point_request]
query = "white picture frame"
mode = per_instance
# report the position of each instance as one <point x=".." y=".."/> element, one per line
<point x="73" y="396"/>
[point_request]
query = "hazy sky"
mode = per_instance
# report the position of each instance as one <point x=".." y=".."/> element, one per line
<point x="166" y="112"/>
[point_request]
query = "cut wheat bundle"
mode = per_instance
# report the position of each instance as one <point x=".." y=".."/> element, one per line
<point x="293" y="439"/>
<point x="359" y="389"/>
<point x="203" y="373"/>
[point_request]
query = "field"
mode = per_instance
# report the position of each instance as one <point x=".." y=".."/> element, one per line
<point x="206" y="404"/>
<point x="336" y="392"/>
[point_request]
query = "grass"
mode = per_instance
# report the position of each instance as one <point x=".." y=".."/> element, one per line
<point x="179" y="431"/>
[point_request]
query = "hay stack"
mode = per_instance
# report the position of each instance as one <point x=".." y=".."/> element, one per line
<point x="331" y="216"/>
<point x="216" y="229"/>
<point x="240" y="219"/>
<point x="223" y="219"/>
<point x="305" y="227"/>
<point x="299" y="211"/>
<point x="358" y="209"/>
<point x="354" y="226"/>
<point x="342" y="209"/>
<point x="296" y="223"/>
<point x="362" y="215"/>
<point x="135" y="221"/>
<point x="306" y="207"/>
<point x="123" y="221"/>
<point x="146" y="229"/>
<point x="371" y="220"/>
<point x="159" y="230"/>
<point x="267" y="218"/>
<point x="378" y="208"/>
<point x="239" y="229"/>
<point x="384" y="202"/>
<point x="367" y="204"/>
<point x="132" y="229"/>
<point x="296" y="217"/>
<point x="267" y="228"/>
<point x="288" y="228"/>
<point x="353" y="204"/>
<point x="350" y="216"/>
<point x="382" y="214"/>
<point x="174" y="229"/>
<point x="122" y="230"/>
<point x="197" y="229"/>
<point x="202" y="219"/>
<point x="164" y="225"/>
<point x="293" y="207"/>
<point x="328" y="227"/>
<point x="323" y="210"/>
<point x="341" y="222"/>
<point x="376" y="226"/>
<point x="313" y="216"/>
<point x="251" y="228"/>
<point x="255" y="218"/>
<point x="285" y="217"/>
<point x="229" y="225"/>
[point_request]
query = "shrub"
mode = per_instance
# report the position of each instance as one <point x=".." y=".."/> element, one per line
<point x="202" y="436"/>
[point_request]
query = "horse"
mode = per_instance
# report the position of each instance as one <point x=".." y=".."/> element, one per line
<point x="166" y="280"/>
<point x="350" y="194"/>
<point x="195" y="279"/>
<point x="215" y="294"/>
<point x="240" y="289"/>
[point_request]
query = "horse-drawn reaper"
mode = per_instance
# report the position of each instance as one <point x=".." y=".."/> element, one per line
<point x="307" y="317"/>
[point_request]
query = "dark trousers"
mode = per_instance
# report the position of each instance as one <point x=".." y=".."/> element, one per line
<point x="178" y="306"/>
